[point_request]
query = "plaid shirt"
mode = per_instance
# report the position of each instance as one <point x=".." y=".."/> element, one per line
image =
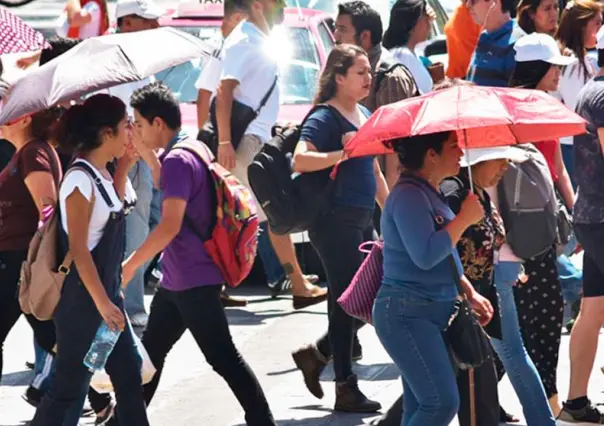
<point x="395" y="85"/>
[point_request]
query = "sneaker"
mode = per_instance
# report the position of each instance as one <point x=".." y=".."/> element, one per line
<point x="139" y="320"/>
<point x="33" y="396"/>
<point x="108" y="413"/>
<point x="588" y="415"/>
<point x="284" y="284"/>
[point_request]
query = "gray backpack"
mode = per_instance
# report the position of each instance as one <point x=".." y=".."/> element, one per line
<point x="528" y="205"/>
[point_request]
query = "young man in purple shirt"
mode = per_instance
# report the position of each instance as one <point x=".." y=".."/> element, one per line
<point x="189" y="293"/>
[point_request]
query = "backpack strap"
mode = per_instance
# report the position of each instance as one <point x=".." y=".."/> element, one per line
<point x="439" y="224"/>
<point x="65" y="266"/>
<point x="96" y="180"/>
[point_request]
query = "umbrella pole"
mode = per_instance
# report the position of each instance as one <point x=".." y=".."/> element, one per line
<point x="465" y="139"/>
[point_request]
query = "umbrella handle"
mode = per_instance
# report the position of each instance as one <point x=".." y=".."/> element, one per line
<point x="465" y="139"/>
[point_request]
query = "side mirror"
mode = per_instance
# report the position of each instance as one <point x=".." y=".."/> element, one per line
<point x="436" y="47"/>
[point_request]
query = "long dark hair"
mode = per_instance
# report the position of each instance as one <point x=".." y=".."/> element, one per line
<point x="412" y="150"/>
<point x="403" y="18"/>
<point x="523" y="13"/>
<point x="528" y="74"/>
<point x="339" y="62"/>
<point x="571" y="31"/>
<point x="80" y="129"/>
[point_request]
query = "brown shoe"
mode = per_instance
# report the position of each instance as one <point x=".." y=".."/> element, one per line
<point x="231" y="302"/>
<point x="311" y="363"/>
<point x="301" y="302"/>
<point x="350" y="399"/>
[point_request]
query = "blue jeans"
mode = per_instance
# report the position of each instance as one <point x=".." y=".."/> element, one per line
<point x="44" y="368"/>
<point x="272" y="266"/>
<point x="410" y="330"/>
<point x="520" y="368"/>
<point x="571" y="279"/>
<point x="568" y="158"/>
<point x="137" y="230"/>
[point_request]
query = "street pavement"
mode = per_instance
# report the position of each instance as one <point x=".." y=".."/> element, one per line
<point x="191" y="393"/>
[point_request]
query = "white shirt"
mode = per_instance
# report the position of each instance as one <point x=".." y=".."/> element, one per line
<point x="91" y="29"/>
<point x="209" y="78"/>
<point x="572" y="81"/>
<point x="420" y="74"/>
<point x="248" y="61"/>
<point x="82" y="181"/>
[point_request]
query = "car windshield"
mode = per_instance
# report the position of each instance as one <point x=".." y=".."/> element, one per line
<point x="299" y="66"/>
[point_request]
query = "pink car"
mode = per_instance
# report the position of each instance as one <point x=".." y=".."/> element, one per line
<point x="302" y="45"/>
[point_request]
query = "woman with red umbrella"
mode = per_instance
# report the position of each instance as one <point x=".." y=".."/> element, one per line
<point x="418" y="293"/>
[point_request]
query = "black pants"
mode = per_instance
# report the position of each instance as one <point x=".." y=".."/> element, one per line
<point x="540" y="314"/>
<point x="200" y="311"/>
<point x="336" y="238"/>
<point x="10" y="311"/>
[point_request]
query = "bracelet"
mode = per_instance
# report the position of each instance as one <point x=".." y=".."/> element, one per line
<point x="224" y="143"/>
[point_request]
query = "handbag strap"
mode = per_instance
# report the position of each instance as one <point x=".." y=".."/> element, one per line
<point x="439" y="224"/>
<point x="266" y="96"/>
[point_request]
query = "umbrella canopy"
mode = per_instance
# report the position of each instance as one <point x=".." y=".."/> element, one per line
<point x="16" y="36"/>
<point x="483" y="117"/>
<point x="99" y="63"/>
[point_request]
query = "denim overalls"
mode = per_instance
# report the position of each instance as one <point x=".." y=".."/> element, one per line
<point x="77" y="320"/>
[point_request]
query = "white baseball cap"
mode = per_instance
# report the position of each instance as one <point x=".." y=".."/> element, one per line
<point x="146" y="9"/>
<point x="479" y="155"/>
<point x="600" y="39"/>
<point x="541" y="47"/>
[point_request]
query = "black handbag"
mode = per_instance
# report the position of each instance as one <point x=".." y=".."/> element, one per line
<point x="468" y="342"/>
<point x="241" y="117"/>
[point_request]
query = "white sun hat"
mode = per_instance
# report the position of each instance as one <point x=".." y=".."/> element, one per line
<point x="541" y="47"/>
<point x="146" y="9"/>
<point x="479" y="155"/>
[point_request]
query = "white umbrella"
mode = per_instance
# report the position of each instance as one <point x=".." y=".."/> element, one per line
<point x="99" y="63"/>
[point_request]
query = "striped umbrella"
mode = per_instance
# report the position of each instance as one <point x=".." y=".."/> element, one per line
<point x="16" y="36"/>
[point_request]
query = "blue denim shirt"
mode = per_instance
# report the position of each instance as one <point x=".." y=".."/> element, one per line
<point x="416" y="252"/>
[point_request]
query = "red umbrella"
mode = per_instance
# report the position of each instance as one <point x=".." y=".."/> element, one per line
<point x="16" y="36"/>
<point x="483" y="117"/>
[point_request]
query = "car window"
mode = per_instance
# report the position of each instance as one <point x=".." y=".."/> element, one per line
<point x="326" y="38"/>
<point x="298" y="60"/>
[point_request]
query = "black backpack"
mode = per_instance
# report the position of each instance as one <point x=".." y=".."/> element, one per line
<point x="291" y="201"/>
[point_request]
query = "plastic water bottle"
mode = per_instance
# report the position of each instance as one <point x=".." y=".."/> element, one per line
<point x="101" y="347"/>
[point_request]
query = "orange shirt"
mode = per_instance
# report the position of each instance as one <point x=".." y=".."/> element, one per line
<point x="462" y="37"/>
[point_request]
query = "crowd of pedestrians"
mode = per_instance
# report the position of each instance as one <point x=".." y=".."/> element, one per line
<point x="116" y="168"/>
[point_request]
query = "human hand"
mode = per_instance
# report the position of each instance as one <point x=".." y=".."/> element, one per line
<point x="481" y="307"/>
<point x="226" y="155"/>
<point x="112" y="315"/>
<point x="471" y="209"/>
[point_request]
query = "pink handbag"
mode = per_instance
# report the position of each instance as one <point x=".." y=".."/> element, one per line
<point x="357" y="300"/>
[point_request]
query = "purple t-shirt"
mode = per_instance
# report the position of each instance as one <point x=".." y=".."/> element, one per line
<point x="185" y="262"/>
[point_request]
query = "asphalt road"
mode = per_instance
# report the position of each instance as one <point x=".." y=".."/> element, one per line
<point x="266" y="332"/>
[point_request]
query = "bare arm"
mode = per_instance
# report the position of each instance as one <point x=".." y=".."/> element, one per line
<point x="382" y="186"/>
<point x="75" y="15"/>
<point x="308" y="159"/>
<point x="203" y="107"/>
<point x="564" y="184"/>
<point x="173" y="212"/>
<point x="224" y="105"/>
<point x="41" y="186"/>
